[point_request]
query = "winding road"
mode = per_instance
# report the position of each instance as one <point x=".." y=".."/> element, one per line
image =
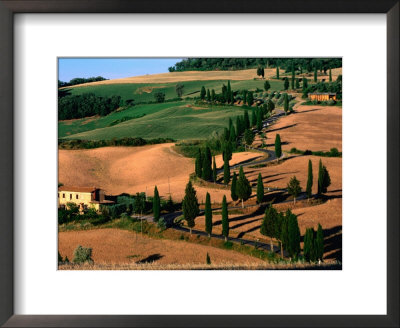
<point x="169" y="218"/>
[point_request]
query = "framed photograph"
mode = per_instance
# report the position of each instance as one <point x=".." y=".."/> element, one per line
<point x="164" y="161"/>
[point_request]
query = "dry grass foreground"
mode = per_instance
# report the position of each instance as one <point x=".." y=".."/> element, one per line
<point x="239" y="75"/>
<point x="135" y="169"/>
<point x="117" y="247"/>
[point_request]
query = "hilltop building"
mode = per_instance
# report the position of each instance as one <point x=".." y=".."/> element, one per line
<point x="321" y="96"/>
<point x="84" y="197"/>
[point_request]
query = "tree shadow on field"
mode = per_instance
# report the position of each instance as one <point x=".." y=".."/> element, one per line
<point x="333" y="242"/>
<point x="306" y="111"/>
<point x="260" y="210"/>
<point x="241" y="235"/>
<point x="282" y="143"/>
<point x="150" y="259"/>
<point x="282" y="128"/>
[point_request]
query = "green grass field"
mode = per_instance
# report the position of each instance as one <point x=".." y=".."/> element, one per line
<point x="141" y="92"/>
<point x="168" y="120"/>
<point x="67" y="128"/>
<point x="165" y="120"/>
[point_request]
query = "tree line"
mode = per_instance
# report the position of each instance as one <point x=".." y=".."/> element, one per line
<point x="87" y="104"/>
<point x="300" y="64"/>
<point x="80" y="80"/>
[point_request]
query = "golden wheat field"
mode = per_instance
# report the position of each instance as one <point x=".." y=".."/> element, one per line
<point x="238" y="75"/>
<point x="116" y="247"/>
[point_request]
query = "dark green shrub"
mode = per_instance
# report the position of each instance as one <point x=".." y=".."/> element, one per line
<point x="208" y="260"/>
<point x="82" y="255"/>
<point x="161" y="224"/>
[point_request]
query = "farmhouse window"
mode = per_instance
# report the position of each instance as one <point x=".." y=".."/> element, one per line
<point x="63" y="195"/>
<point x="77" y="197"/>
<point x="70" y="196"/>
<point x="58" y="195"/>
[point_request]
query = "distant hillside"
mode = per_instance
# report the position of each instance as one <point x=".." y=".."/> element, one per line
<point x="211" y="64"/>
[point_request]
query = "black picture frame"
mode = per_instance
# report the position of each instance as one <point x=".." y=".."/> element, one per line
<point x="7" y="10"/>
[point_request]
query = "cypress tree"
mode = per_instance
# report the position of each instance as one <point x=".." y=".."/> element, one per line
<point x="315" y="74"/>
<point x="214" y="170"/>
<point x="285" y="103"/>
<point x="284" y="233"/>
<point x="286" y="83"/>
<point x="206" y="173"/>
<point x="319" y="244"/>
<point x="208" y="260"/>
<point x="253" y="118"/>
<point x="293" y="236"/>
<point x="190" y="206"/>
<point x="234" y="196"/>
<point x="212" y="95"/>
<point x="232" y="134"/>
<point x="269" y="223"/>
<point x="267" y="85"/>
<point x="293" y="78"/>
<point x="278" y="146"/>
<point x="208" y="95"/>
<point x="224" y="93"/>
<point x="208" y="215"/>
<point x="225" y="220"/>
<point x="199" y="163"/>
<point x="238" y="126"/>
<point x="244" y="97"/>
<point x="202" y="93"/>
<point x="232" y="100"/>
<point x="246" y="120"/>
<point x="227" y="171"/>
<point x="305" y="84"/>
<point x="309" y="179"/>
<point x="156" y="205"/>
<point x="297" y="84"/>
<point x="243" y="189"/>
<point x="248" y="137"/>
<point x="227" y="151"/>
<point x="308" y="249"/>
<point x="229" y="92"/>
<point x="330" y="75"/>
<point x="277" y="72"/>
<point x="324" y="180"/>
<point x="294" y="188"/>
<point x="260" y="189"/>
<point x="230" y="125"/>
<point x="250" y="98"/>
<point x="259" y="119"/>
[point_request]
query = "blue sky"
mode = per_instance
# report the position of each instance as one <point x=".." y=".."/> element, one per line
<point x="111" y="68"/>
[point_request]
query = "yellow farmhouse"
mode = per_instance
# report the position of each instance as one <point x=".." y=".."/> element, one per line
<point x="322" y="96"/>
<point x="84" y="197"/>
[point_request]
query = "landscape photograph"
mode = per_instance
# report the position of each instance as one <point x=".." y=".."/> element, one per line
<point x="199" y="163"/>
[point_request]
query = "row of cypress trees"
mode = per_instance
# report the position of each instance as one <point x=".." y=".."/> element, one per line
<point x="324" y="180"/>
<point x="204" y="164"/>
<point x="313" y="249"/>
